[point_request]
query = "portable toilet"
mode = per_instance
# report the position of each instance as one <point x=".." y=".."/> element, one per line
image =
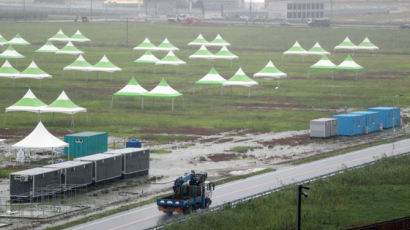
<point x="388" y="116"/>
<point x="372" y="121"/>
<point x="350" y="124"/>
<point x="86" y="143"/>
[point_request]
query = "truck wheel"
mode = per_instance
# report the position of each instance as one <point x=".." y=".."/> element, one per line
<point x="169" y="213"/>
<point x="208" y="203"/>
<point x="188" y="210"/>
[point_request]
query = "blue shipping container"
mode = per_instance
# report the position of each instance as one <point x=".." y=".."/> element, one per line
<point x="86" y="143"/>
<point x="372" y="120"/>
<point x="133" y="143"/>
<point x="350" y="124"/>
<point x="388" y="115"/>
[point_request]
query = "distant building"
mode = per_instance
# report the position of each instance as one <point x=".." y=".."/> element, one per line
<point x="219" y="4"/>
<point x="295" y="9"/>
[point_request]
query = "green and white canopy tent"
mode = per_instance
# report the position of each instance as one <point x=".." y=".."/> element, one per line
<point x="317" y="50"/>
<point x="212" y="78"/>
<point x="218" y="41"/>
<point x="104" y="65"/>
<point x="147" y="58"/>
<point x="240" y="79"/>
<point x="79" y="37"/>
<point x="11" y="53"/>
<point x="18" y="41"/>
<point x="33" y="72"/>
<point x="170" y="59"/>
<point x="3" y="41"/>
<point x="59" y="37"/>
<point x="199" y="41"/>
<point x="224" y="53"/>
<point x="70" y="49"/>
<point x="166" y="46"/>
<point x="7" y="70"/>
<point x="270" y="71"/>
<point x="163" y="90"/>
<point x="366" y="44"/>
<point x="145" y="45"/>
<point x="323" y="64"/>
<point x="132" y="89"/>
<point x="28" y="103"/>
<point x="80" y="64"/>
<point x="202" y="53"/>
<point x="346" y="45"/>
<point x="47" y="48"/>
<point x="296" y="49"/>
<point x="350" y="65"/>
<point x="63" y="104"/>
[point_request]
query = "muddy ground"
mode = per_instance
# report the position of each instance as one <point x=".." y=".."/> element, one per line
<point x="231" y="152"/>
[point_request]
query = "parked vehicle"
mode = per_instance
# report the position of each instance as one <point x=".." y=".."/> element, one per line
<point x="191" y="192"/>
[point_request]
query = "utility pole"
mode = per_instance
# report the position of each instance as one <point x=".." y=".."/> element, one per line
<point x="91" y="10"/>
<point x="300" y="193"/>
<point x="126" y="32"/>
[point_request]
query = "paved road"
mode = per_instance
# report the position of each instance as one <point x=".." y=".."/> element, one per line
<point x="148" y="216"/>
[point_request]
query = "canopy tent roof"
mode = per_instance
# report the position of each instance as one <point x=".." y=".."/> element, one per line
<point x="3" y="41"/>
<point x="202" y="53"/>
<point x="349" y="64"/>
<point x="7" y="70"/>
<point x="18" y="41"/>
<point x="324" y="63"/>
<point x="317" y="50"/>
<point x="346" y="45"/>
<point x="33" y="71"/>
<point x="218" y="41"/>
<point x="80" y="64"/>
<point x="163" y="90"/>
<point x="104" y="65"/>
<point x="79" y="37"/>
<point x="240" y="78"/>
<point x="270" y="71"/>
<point x="166" y="46"/>
<point x="170" y="59"/>
<point x="224" y="53"/>
<point x="131" y="89"/>
<point x="63" y="104"/>
<point x="69" y="48"/>
<point x="199" y="41"/>
<point x="296" y="49"/>
<point x="212" y="78"/>
<point x="47" y="48"/>
<point x="40" y="138"/>
<point x="145" y="45"/>
<point x="11" y="53"/>
<point x="59" y="37"/>
<point x="28" y="103"/>
<point x="147" y="58"/>
<point x="366" y="44"/>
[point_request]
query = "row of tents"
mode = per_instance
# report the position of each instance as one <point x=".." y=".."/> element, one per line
<point x="317" y="49"/>
<point x="59" y="36"/>
<point x="30" y="103"/>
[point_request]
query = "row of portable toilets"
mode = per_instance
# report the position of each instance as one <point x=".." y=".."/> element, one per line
<point x="356" y="123"/>
<point x="37" y="183"/>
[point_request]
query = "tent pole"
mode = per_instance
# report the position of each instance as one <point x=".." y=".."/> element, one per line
<point x="38" y="119"/>
<point x="183" y="103"/>
<point x="142" y="103"/>
<point x="333" y="74"/>
<point x="14" y="82"/>
<point x="249" y="92"/>
<point x="86" y="114"/>
<point x="111" y="76"/>
<point x="72" y="120"/>
<point x="112" y="101"/>
<point x="172" y="104"/>
<point x="41" y="83"/>
<point x="222" y="90"/>
<point x="357" y="75"/>
<point x="5" y="118"/>
<point x="53" y="118"/>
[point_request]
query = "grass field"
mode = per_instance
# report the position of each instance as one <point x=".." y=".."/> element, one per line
<point x="298" y="100"/>
<point x="358" y="197"/>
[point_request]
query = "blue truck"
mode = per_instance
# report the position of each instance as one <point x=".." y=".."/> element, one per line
<point x="191" y="192"/>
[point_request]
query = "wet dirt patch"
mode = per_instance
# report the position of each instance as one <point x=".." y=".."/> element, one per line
<point x="222" y="157"/>
<point x="271" y="105"/>
<point x="291" y="141"/>
<point x="8" y="133"/>
<point x="209" y="140"/>
<point x="332" y="98"/>
<point x="223" y="140"/>
<point x="242" y="140"/>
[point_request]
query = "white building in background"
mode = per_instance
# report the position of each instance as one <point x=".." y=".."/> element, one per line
<point x="295" y="9"/>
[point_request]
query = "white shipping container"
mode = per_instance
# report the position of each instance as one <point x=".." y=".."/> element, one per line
<point x="323" y="127"/>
